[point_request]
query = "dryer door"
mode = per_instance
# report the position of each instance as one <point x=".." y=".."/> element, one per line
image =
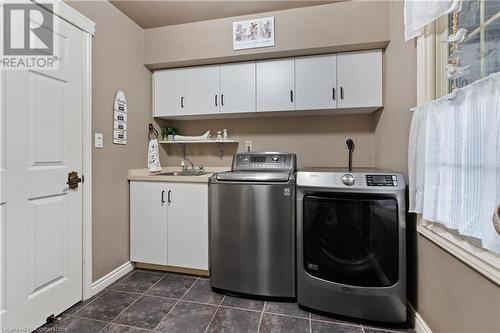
<point x="351" y="239"/>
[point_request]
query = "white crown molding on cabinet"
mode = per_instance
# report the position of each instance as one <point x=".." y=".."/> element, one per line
<point x="111" y="277"/>
<point x="69" y="14"/>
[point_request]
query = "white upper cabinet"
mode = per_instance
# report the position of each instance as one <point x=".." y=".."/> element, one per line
<point x="316" y="82"/>
<point x="169" y="92"/>
<point x="335" y="82"/>
<point x="237" y="87"/>
<point x="359" y="76"/>
<point x="202" y="90"/>
<point x="275" y="85"/>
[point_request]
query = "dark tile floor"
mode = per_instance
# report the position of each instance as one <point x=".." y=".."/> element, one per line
<point x="147" y="301"/>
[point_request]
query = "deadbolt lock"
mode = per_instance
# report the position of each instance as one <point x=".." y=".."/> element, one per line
<point x="73" y="180"/>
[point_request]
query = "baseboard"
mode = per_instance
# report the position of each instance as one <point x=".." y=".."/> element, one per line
<point x="420" y="325"/>
<point x="111" y="277"/>
<point x="173" y="269"/>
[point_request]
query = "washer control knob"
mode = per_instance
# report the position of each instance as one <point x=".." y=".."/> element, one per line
<point x="276" y="158"/>
<point x="348" y="179"/>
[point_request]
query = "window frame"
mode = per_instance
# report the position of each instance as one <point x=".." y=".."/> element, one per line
<point x="432" y="83"/>
<point x="440" y="29"/>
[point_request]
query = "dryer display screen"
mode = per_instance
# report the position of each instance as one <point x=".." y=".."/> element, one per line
<point x="381" y="180"/>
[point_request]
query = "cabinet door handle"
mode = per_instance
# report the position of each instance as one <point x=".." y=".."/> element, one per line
<point x="333" y="93"/>
<point x="341" y="93"/>
<point x="182" y="102"/>
<point x="169" y="197"/>
<point x="216" y="100"/>
<point x="222" y="99"/>
<point x="162" y="197"/>
<point x="291" y="96"/>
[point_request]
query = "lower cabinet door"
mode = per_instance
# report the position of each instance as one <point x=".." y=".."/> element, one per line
<point x="188" y="225"/>
<point x="148" y="222"/>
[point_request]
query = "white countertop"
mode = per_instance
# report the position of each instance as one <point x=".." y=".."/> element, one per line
<point x="145" y="175"/>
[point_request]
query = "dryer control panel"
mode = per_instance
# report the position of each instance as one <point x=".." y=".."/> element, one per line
<point x="381" y="180"/>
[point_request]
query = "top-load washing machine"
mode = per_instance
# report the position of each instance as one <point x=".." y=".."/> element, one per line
<point x="252" y="226"/>
<point x="351" y="243"/>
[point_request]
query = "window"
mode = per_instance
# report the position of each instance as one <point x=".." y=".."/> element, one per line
<point x="479" y="52"/>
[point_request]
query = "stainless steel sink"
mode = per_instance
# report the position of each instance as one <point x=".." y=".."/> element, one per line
<point x="182" y="173"/>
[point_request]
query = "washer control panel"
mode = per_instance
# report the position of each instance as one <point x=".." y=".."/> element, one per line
<point x="264" y="161"/>
<point x="381" y="180"/>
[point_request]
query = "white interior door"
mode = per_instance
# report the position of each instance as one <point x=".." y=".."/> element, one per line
<point x="42" y="235"/>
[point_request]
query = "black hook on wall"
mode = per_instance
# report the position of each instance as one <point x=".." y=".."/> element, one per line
<point x="153" y="133"/>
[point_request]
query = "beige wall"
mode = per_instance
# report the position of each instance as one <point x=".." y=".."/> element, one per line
<point x="452" y="297"/>
<point x="117" y="63"/>
<point x="309" y="30"/>
<point x="317" y="140"/>
<point x="392" y="124"/>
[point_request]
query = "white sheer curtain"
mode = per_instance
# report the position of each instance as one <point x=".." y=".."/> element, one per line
<point x="454" y="161"/>
<point x="419" y="13"/>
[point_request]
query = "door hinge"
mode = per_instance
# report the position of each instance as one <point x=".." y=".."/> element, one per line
<point x="52" y="318"/>
<point x="83" y="179"/>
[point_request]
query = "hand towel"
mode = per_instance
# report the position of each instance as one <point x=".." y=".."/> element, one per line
<point x="154" y="156"/>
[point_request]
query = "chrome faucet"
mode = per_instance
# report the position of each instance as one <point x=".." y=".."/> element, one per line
<point x="184" y="166"/>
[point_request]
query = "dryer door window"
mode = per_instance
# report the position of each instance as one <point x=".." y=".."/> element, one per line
<point x="351" y="240"/>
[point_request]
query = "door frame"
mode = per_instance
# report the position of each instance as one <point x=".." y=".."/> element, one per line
<point x="72" y="16"/>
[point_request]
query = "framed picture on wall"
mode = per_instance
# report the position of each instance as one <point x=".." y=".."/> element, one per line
<point x="253" y="33"/>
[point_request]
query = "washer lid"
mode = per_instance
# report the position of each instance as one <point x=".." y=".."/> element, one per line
<point x="253" y="176"/>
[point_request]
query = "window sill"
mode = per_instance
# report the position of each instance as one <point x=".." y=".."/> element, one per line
<point x="485" y="262"/>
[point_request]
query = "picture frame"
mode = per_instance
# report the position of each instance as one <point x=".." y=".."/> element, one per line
<point x="253" y="33"/>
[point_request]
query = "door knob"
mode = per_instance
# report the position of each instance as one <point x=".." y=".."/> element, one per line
<point x="73" y="180"/>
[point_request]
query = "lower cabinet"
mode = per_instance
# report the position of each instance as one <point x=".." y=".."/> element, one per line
<point x="169" y="224"/>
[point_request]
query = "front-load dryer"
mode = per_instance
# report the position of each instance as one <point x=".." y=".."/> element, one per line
<point x="351" y="243"/>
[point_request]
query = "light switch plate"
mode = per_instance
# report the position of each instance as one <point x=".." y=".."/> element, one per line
<point x="98" y="140"/>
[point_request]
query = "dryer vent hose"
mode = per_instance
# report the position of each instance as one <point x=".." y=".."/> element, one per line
<point x="350" y="147"/>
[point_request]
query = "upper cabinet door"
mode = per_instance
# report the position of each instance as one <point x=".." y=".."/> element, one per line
<point x="275" y="85"/>
<point x="237" y="87"/>
<point x="316" y="82"/>
<point x="202" y="90"/>
<point x="169" y="92"/>
<point x="359" y="77"/>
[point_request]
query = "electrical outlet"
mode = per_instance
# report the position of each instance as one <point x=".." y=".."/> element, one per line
<point x="353" y="138"/>
<point x="248" y="145"/>
<point x="98" y="140"/>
